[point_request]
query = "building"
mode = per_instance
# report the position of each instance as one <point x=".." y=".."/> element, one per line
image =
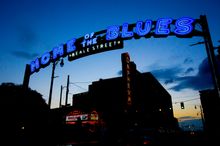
<point x="133" y="99"/>
<point x="211" y="109"/>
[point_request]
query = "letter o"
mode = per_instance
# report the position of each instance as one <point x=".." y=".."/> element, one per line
<point x="45" y="59"/>
<point x="87" y="36"/>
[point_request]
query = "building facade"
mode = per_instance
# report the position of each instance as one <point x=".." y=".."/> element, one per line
<point x="135" y="99"/>
<point x="210" y="108"/>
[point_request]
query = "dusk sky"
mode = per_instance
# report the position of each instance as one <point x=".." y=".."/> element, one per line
<point x="29" y="28"/>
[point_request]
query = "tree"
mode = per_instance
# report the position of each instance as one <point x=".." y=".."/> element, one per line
<point x="24" y="115"/>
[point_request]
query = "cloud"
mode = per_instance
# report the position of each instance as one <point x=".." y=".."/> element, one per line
<point x="188" y="70"/>
<point x="202" y="80"/>
<point x="193" y="82"/>
<point x="184" y="118"/>
<point x="169" y="81"/>
<point x="188" y="61"/>
<point x="26" y="35"/>
<point x="24" y="55"/>
<point x="167" y="73"/>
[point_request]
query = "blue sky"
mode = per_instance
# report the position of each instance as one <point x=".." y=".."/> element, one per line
<point x="30" y="28"/>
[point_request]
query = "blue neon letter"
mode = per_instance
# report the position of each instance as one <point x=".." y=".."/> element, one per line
<point x="143" y="31"/>
<point x="35" y="65"/>
<point x="45" y="59"/>
<point x="125" y="32"/>
<point x="87" y="36"/>
<point x="162" y="26"/>
<point x="112" y="32"/>
<point x="184" y="26"/>
<point x="71" y="46"/>
<point x="58" y="52"/>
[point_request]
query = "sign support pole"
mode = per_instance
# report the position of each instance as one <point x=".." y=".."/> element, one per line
<point x="210" y="53"/>
<point x="26" y="77"/>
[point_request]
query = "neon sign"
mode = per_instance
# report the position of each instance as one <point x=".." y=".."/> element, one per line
<point x="54" y="55"/>
<point x="73" y="117"/>
<point x="162" y="27"/>
<point x="126" y="71"/>
<point x="112" y="38"/>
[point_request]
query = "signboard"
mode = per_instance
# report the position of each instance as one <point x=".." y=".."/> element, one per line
<point x="112" y="38"/>
<point x="126" y="71"/>
<point x="74" y="115"/>
<point x="74" y="118"/>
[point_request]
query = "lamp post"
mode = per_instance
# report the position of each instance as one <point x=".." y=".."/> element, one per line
<point x="52" y="78"/>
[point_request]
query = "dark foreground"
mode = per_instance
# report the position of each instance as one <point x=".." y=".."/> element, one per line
<point x="137" y="139"/>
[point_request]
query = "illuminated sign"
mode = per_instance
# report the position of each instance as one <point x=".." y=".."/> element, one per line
<point x="162" y="27"/>
<point x="74" y="115"/>
<point x="127" y="76"/>
<point x="91" y="44"/>
<point x="94" y="115"/>
<point x="54" y="55"/>
<point x="95" y="48"/>
<point x="112" y="38"/>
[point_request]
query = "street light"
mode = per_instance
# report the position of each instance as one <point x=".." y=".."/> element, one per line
<point x="52" y="78"/>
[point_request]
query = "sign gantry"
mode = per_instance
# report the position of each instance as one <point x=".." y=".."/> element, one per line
<point x="112" y="38"/>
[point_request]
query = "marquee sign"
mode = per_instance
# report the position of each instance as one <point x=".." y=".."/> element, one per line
<point x="74" y="116"/>
<point x="112" y="38"/>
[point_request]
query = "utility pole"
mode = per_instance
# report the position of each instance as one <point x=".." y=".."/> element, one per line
<point x="61" y="92"/>
<point x="202" y="116"/>
<point x="51" y="83"/>
<point x="67" y="89"/>
<point x="52" y="78"/>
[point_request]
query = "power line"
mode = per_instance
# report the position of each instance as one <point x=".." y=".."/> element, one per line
<point x="186" y="100"/>
<point x="83" y="82"/>
<point x="198" y="43"/>
<point x="78" y="86"/>
<point x="187" y="96"/>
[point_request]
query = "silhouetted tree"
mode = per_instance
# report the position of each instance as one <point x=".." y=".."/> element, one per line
<point x="24" y="115"/>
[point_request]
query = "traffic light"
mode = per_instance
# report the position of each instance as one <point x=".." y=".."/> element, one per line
<point x="182" y="105"/>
